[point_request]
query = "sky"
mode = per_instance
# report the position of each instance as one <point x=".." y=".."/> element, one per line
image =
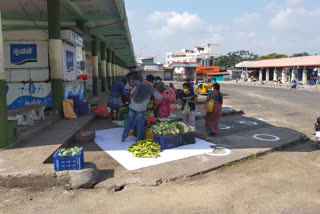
<point x="260" y="26"/>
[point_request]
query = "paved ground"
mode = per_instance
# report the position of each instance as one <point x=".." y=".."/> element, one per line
<point x="285" y="181"/>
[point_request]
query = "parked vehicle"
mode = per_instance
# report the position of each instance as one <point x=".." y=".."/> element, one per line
<point x="317" y="129"/>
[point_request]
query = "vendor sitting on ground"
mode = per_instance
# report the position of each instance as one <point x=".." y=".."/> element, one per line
<point x="164" y="107"/>
<point x="137" y="109"/>
<point x="114" y="101"/>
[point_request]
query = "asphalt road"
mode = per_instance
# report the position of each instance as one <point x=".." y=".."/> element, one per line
<point x="297" y="109"/>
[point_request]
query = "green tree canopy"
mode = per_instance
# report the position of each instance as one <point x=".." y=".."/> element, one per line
<point x="300" y="54"/>
<point x="273" y="56"/>
<point x="233" y="58"/>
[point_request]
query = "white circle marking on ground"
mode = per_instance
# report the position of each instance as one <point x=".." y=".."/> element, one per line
<point x="226" y="152"/>
<point x="267" y="119"/>
<point x="249" y="123"/>
<point x="224" y="127"/>
<point x="275" y="138"/>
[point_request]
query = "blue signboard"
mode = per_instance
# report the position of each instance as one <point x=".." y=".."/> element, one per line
<point x="69" y="61"/>
<point x="23" y="53"/>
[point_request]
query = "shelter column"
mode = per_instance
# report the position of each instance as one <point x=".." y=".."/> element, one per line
<point x="103" y="66"/>
<point x="3" y="97"/>
<point x="113" y="67"/>
<point x="55" y="53"/>
<point x="95" y="66"/>
<point x="84" y="71"/>
<point x="293" y="74"/>
<point x="284" y="76"/>
<point x="267" y="75"/>
<point x="275" y="74"/>
<point x="260" y="75"/>
<point x="109" y="69"/>
<point x="117" y="68"/>
<point x="305" y="76"/>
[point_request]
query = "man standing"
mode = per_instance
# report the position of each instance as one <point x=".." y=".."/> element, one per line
<point x="137" y="109"/>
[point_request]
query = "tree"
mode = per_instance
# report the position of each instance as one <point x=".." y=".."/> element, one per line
<point x="300" y="54"/>
<point x="273" y="56"/>
<point x="233" y="58"/>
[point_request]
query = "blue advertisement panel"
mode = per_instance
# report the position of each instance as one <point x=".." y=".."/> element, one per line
<point x="69" y="61"/>
<point x="23" y="53"/>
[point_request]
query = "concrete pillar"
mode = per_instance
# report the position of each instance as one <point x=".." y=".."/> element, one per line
<point x="3" y="97"/>
<point x="284" y="76"/>
<point x="109" y="68"/>
<point x="275" y="74"/>
<point x="260" y="75"/>
<point x="103" y="66"/>
<point x="95" y="67"/>
<point x="293" y="74"/>
<point x="117" y="68"/>
<point x="113" y="67"/>
<point x="55" y="54"/>
<point x="267" y="75"/>
<point x="305" y="76"/>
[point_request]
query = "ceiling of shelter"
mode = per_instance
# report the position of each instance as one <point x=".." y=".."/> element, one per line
<point x="104" y="19"/>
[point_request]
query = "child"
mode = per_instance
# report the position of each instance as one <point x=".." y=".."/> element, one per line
<point x="164" y="108"/>
<point x="188" y="98"/>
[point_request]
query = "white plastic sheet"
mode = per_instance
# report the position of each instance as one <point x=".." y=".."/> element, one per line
<point x="110" y="141"/>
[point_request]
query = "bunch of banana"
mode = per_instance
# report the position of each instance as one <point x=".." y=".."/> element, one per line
<point x="145" y="149"/>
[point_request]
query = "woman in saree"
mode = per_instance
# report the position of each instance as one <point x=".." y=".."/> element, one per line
<point x="173" y="95"/>
<point x="212" y="118"/>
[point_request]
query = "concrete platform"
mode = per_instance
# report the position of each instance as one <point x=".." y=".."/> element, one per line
<point x="239" y="140"/>
<point x="22" y="164"/>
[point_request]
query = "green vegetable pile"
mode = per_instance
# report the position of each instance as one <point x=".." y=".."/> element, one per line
<point x="145" y="149"/>
<point x="150" y="107"/>
<point x="69" y="152"/>
<point x="168" y="128"/>
<point x="124" y="111"/>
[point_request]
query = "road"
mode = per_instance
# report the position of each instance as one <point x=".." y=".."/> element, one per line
<point x="285" y="181"/>
<point x="297" y="109"/>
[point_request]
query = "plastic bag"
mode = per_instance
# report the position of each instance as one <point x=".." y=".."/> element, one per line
<point x="68" y="109"/>
<point x="208" y="107"/>
<point x="186" y="109"/>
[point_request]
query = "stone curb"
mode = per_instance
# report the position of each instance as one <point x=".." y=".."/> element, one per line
<point x="73" y="179"/>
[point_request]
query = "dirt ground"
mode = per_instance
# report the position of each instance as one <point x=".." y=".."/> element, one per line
<point x="281" y="182"/>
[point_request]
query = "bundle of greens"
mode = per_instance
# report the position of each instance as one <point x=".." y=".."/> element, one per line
<point x="168" y="128"/>
<point x="69" y="152"/>
<point x="124" y="111"/>
<point x="145" y="149"/>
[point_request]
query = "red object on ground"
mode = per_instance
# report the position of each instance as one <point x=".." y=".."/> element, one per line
<point x="83" y="77"/>
<point x="102" y="112"/>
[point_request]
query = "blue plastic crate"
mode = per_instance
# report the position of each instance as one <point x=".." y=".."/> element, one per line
<point x="84" y="108"/>
<point x="76" y="100"/>
<point x="77" y="111"/>
<point x="167" y="141"/>
<point x="68" y="163"/>
<point x="187" y="138"/>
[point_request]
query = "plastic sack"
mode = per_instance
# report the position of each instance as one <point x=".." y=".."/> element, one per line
<point x="68" y="109"/>
<point x="208" y="107"/>
<point x="186" y="109"/>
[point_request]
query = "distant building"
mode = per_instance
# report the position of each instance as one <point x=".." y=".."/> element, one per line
<point x="147" y="66"/>
<point x="205" y="55"/>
